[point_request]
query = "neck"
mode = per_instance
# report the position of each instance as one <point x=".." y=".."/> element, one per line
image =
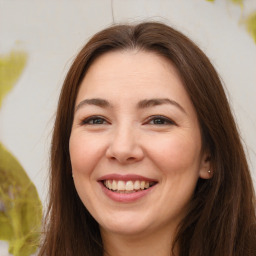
<point x="159" y="244"/>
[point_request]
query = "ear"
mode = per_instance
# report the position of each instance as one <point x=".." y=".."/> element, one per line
<point x="206" y="171"/>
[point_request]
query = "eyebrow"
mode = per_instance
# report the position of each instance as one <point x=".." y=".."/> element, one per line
<point x="159" y="101"/>
<point x="96" y="102"/>
<point x="147" y="103"/>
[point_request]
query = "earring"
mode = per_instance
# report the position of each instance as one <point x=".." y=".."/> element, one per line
<point x="209" y="171"/>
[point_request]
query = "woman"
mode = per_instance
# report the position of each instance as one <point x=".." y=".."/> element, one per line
<point x="146" y="158"/>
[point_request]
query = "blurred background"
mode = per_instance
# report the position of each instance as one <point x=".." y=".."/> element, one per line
<point x="38" y="41"/>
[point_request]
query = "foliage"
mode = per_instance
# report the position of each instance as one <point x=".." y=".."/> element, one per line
<point x="234" y="1"/>
<point x="20" y="206"/>
<point x="11" y="67"/>
<point x="251" y="25"/>
<point x="249" y="21"/>
<point x="240" y="2"/>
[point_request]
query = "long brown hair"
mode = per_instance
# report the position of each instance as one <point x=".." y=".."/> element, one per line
<point x="221" y="217"/>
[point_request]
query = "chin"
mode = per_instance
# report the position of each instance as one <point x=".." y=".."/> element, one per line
<point x="126" y="226"/>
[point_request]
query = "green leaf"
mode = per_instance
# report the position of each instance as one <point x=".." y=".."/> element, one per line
<point x="11" y="67"/>
<point x="20" y="207"/>
<point x="239" y="2"/>
<point x="251" y="25"/>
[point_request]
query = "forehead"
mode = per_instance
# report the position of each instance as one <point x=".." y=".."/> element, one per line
<point x="130" y="70"/>
<point x="131" y="62"/>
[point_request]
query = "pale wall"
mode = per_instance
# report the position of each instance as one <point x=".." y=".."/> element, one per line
<point x="53" y="31"/>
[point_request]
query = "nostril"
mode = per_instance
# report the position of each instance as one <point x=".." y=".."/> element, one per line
<point x="131" y="158"/>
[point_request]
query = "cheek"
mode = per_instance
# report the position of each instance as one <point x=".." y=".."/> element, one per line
<point x="176" y="153"/>
<point x="84" y="155"/>
<point x="85" y="152"/>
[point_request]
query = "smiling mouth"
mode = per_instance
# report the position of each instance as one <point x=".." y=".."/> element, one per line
<point x="126" y="187"/>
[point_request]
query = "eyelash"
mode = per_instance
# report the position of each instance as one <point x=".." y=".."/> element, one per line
<point x="157" y="120"/>
<point x="164" y="120"/>
<point x="91" y="120"/>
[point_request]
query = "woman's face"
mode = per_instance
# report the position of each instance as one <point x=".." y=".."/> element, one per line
<point x="135" y="144"/>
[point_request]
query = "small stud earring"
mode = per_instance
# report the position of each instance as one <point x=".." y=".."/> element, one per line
<point x="209" y="171"/>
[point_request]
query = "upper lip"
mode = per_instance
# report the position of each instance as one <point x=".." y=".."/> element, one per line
<point x="127" y="177"/>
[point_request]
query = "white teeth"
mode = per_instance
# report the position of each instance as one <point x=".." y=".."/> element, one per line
<point x="128" y="186"/>
<point x="120" y="185"/>
<point x="142" y="185"/>
<point x="108" y="184"/>
<point x="136" y="185"/>
<point x="114" y="185"/>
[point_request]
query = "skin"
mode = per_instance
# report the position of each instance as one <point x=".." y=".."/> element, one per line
<point x="124" y="138"/>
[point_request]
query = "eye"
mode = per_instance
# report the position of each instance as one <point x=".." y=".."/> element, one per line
<point x="160" y="120"/>
<point x="94" y="120"/>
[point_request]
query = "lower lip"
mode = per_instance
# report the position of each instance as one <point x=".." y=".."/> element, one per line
<point x="126" y="197"/>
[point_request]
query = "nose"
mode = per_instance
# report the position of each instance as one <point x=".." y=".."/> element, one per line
<point x="124" y="146"/>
